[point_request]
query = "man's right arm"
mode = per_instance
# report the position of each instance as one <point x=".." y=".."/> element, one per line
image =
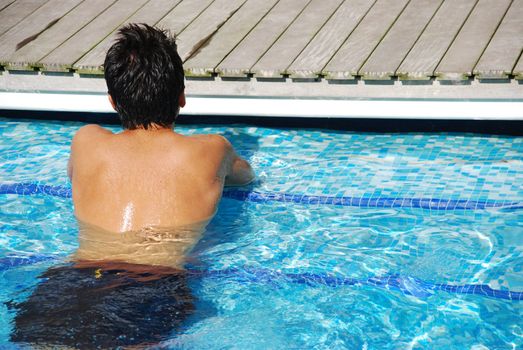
<point x="241" y="173"/>
<point x="238" y="172"/>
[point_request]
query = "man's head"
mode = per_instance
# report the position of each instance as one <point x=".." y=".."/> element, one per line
<point x="144" y="76"/>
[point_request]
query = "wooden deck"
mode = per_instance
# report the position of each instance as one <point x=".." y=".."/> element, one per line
<point x="333" y="40"/>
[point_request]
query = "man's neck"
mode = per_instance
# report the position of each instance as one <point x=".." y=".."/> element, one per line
<point x="152" y="129"/>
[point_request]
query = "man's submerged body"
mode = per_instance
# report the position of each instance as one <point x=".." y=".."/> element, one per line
<point x="145" y="196"/>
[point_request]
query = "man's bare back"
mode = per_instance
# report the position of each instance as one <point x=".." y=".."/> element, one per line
<point x="158" y="187"/>
<point x="150" y="178"/>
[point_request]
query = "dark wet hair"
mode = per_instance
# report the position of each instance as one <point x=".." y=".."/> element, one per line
<point x="144" y="76"/>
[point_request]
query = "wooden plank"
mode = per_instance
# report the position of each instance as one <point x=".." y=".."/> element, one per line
<point x="389" y="54"/>
<point x="5" y="3"/>
<point x="27" y="57"/>
<point x="62" y="58"/>
<point x="150" y="13"/>
<point x="240" y="61"/>
<point x="465" y="51"/>
<point x="518" y="70"/>
<point x="16" y="12"/>
<point x="201" y="30"/>
<point x="346" y="63"/>
<point x="503" y="51"/>
<point x="33" y="25"/>
<point x="183" y="14"/>
<point x="292" y="42"/>
<point x="424" y="57"/>
<point x="203" y="62"/>
<point x="313" y="59"/>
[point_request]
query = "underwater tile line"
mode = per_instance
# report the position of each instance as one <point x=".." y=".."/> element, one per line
<point x="263" y="197"/>
<point x="405" y="284"/>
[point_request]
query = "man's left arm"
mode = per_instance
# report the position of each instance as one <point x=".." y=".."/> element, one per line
<point x="85" y="136"/>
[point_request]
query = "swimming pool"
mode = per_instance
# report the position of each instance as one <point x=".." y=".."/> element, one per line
<point x="346" y="240"/>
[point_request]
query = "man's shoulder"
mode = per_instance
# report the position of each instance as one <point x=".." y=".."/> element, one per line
<point x="90" y="132"/>
<point x="211" y="140"/>
<point x="209" y="147"/>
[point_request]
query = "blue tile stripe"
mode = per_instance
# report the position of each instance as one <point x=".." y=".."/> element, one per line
<point x="366" y="202"/>
<point x="405" y="284"/>
<point x="26" y="189"/>
<point x="263" y="197"/>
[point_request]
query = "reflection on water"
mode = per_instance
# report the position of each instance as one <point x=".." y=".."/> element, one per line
<point x="452" y="247"/>
<point x="163" y="246"/>
<point x="249" y="301"/>
<point x="229" y="309"/>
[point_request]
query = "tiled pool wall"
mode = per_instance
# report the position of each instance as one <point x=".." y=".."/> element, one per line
<point x="440" y="171"/>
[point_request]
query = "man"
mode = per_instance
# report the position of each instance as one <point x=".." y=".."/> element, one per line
<point x="148" y="176"/>
<point x="142" y="198"/>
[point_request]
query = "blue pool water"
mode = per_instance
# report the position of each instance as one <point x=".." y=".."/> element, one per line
<point x="346" y="240"/>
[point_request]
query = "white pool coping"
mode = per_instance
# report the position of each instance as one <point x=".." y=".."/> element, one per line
<point x="282" y="107"/>
<point x="473" y="100"/>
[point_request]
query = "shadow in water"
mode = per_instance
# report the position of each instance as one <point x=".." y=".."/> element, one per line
<point x="245" y="145"/>
<point x="104" y="306"/>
